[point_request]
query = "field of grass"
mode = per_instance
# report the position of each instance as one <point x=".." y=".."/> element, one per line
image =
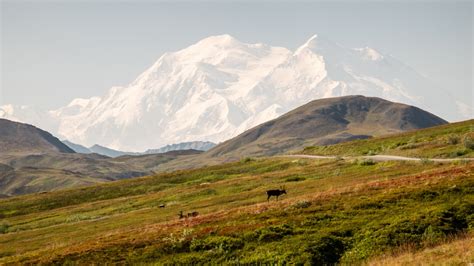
<point x="448" y="141"/>
<point x="456" y="251"/>
<point x="335" y="211"/>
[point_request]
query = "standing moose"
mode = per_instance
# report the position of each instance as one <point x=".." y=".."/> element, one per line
<point x="275" y="192"/>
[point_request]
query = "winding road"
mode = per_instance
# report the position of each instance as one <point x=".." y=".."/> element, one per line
<point x="378" y="158"/>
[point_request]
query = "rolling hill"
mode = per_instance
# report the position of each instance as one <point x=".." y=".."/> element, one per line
<point x="33" y="160"/>
<point x="335" y="211"/>
<point x="47" y="172"/>
<point x="23" y="138"/>
<point x="326" y="121"/>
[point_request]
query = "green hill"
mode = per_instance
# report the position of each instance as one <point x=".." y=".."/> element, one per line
<point x="346" y="211"/>
<point x="454" y="140"/>
<point x="326" y="121"/>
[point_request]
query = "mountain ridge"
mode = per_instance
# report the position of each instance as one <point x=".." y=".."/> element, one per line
<point x="219" y="87"/>
<point x="193" y="145"/>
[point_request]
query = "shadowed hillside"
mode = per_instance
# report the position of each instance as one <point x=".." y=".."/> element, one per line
<point x="23" y="138"/>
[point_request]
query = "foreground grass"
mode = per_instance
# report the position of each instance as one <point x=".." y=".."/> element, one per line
<point x="448" y="141"/>
<point x="458" y="251"/>
<point x="335" y="211"/>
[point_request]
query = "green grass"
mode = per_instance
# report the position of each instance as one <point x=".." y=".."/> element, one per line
<point x="447" y="141"/>
<point x="335" y="211"/>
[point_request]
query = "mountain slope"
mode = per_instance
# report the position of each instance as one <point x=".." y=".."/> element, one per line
<point x="76" y="147"/>
<point x="327" y="121"/>
<point x="22" y="138"/>
<point x="220" y="87"/>
<point x="22" y="174"/>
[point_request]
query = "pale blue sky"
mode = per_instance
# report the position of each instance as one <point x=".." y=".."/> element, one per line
<point x="52" y="52"/>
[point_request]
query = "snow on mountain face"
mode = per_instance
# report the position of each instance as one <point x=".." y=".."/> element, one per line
<point x="219" y="87"/>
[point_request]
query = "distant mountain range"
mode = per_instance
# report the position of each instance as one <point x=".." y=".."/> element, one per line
<point x="194" y="145"/>
<point x="219" y="87"/>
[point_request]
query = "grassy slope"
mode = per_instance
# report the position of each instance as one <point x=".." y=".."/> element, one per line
<point x="438" y="142"/>
<point x="459" y="251"/>
<point x="49" y="172"/>
<point x="334" y="210"/>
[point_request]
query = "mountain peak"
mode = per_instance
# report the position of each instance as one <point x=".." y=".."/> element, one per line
<point x="311" y="42"/>
<point x="317" y="43"/>
<point x="223" y="40"/>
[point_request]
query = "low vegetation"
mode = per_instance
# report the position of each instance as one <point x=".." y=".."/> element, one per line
<point x="448" y="141"/>
<point x="335" y="211"/>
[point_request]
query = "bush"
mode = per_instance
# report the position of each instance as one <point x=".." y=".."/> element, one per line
<point x="468" y="140"/>
<point x="371" y="153"/>
<point x="326" y="250"/>
<point x="247" y="160"/>
<point x="295" y="179"/>
<point x="302" y="204"/>
<point x="453" y="139"/>
<point x="178" y="242"/>
<point x="424" y="229"/>
<point x="221" y="243"/>
<point x="408" y="146"/>
<point x="365" y="162"/>
<point x="458" y="153"/>
<point x="274" y="233"/>
<point x="426" y="161"/>
<point x="4" y="228"/>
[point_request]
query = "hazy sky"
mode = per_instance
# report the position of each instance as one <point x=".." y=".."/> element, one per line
<point x="52" y="52"/>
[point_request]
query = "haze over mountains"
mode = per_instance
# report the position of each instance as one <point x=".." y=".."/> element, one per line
<point x="220" y="87"/>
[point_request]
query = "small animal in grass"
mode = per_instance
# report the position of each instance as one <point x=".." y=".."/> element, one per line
<point x="275" y="192"/>
<point x="162" y="205"/>
<point x="181" y="215"/>
<point x="193" y="214"/>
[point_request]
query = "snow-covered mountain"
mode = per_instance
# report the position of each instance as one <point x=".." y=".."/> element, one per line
<point x="219" y="87"/>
